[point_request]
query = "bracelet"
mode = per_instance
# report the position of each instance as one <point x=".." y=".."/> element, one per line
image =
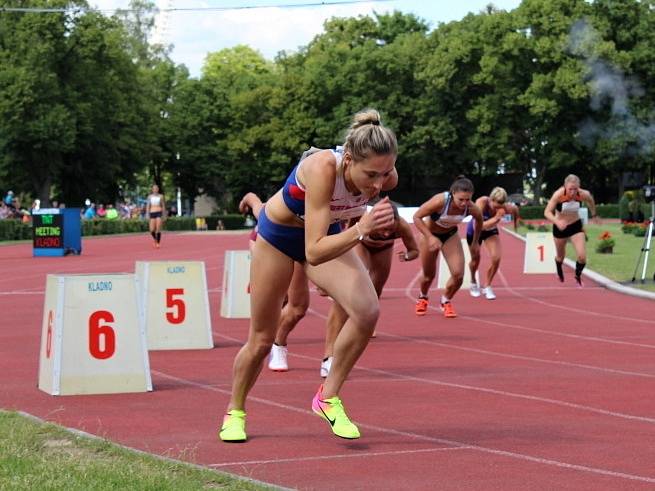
<point x="406" y="256"/>
<point x="359" y="232"/>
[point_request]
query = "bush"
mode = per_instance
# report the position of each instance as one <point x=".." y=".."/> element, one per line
<point x="14" y="229"/>
<point x="605" y="243"/>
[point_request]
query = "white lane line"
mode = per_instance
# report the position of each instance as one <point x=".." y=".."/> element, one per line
<point x="418" y="436"/>
<point x="569" y="309"/>
<point x="408" y="294"/>
<point x="485" y="390"/>
<point x="338" y="456"/>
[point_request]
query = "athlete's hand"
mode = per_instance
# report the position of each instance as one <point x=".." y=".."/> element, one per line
<point x="433" y="243"/>
<point x="380" y="217"/>
<point x="561" y="224"/>
<point x="407" y="255"/>
<point x="245" y="203"/>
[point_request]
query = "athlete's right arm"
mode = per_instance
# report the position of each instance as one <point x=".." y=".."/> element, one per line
<point x="432" y="205"/>
<point x="549" y="211"/>
<point x="318" y="177"/>
<point x="252" y="201"/>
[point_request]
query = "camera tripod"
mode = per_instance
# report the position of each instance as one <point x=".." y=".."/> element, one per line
<point x="645" y="248"/>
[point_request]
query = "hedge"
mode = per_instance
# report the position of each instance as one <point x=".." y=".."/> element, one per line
<point x="11" y="229"/>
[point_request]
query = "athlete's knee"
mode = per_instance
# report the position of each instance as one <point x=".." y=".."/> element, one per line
<point x="457" y="277"/>
<point x="428" y="276"/>
<point x="260" y="346"/>
<point x="297" y="312"/>
<point x="367" y="314"/>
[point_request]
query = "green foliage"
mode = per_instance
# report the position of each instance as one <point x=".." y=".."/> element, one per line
<point x="11" y="229"/>
<point x="85" y="95"/>
<point x="230" y="222"/>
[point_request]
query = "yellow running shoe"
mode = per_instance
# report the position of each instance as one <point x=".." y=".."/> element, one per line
<point x="234" y="426"/>
<point x="333" y="412"/>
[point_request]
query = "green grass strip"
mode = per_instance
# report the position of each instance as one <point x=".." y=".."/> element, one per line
<point x="38" y="455"/>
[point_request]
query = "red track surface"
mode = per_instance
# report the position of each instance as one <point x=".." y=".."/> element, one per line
<point x="547" y="387"/>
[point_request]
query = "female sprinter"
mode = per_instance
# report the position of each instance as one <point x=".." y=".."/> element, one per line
<point x="155" y="209"/>
<point x="562" y="210"/>
<point x="494" y="207"/>
<point x="376" y="252"/>
<point x="301" y="223"/>
<point x="297" y="301"/>
<point x="437" y="219"/>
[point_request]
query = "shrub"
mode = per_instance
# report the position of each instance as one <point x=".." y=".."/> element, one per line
<point x="605" y="243"/>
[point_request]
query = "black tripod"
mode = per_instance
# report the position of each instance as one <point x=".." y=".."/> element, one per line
<point x="645" y="248"/>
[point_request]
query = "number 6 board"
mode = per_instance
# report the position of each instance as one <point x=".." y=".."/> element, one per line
<point x="91" y="340"/>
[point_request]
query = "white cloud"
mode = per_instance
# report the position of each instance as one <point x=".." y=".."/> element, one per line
<point x="270" y="30"/>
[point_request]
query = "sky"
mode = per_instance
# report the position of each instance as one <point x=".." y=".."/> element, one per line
<point x="270" y="27"/>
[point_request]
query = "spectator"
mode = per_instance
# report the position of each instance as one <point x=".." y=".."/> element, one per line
<point x="90" y="212"/>
<point x="101" y="212"/>
<point x="9" y="198"/>
<point x="5" y="211"/>
<point x="111" y="212"/>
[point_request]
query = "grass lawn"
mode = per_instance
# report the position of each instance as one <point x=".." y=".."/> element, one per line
<point x="620" y="265"/>
<point x="35" y="455"/>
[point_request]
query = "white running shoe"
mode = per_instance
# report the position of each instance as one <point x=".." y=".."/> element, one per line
<point x="325" y="367"/>
<point x="489" y="293"/>
<point x="474" y="290"/>
<point x="277" y="360"/>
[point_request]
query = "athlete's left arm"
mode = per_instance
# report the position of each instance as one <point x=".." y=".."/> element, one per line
<point x="407" y="236"/>
<point x="476" y="213"/>
<point x="514" y="210"/>
<point x="391" y="181"/>
<point x="589" y="199"/>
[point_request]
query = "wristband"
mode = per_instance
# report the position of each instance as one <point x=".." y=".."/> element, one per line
<point x="359" y="232"/>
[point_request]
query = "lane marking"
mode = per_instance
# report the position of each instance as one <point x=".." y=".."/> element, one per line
<point x="418" y="436"/>
<point x="337" y="456"/>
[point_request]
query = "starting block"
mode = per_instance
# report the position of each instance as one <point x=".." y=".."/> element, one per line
<point x="174" y="304"/>
<point x="235" y="301"/>
<point x="92" y="341"/>
<point x="539" y="253"/>
<point x="444" y="272"/>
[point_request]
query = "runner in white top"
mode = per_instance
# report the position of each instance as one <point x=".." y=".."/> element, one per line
<point x="437" y="220"/>
<point x="297" y="225"/>
<point x="156" y="211"/>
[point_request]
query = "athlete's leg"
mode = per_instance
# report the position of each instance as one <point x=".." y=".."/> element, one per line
<point x="379" y="268"/>
<point x="270" y="275"/>
<point x="297" y="304"/>
<point x="428" y="266"/>
<point x="454" y="257"/>
<point x="337" y="317"/>
<point x="495" y="250"/>
<point x="560" y="252"/>
<point x="348" y="283"/>
<point x="578" y="241"/>
<point x="474" y="263"/>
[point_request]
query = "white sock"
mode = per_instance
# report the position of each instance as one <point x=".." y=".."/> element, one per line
<point x="444" y="299"/>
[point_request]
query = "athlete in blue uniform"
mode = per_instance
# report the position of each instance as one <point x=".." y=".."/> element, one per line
<point x="301" y="223"/>
<point x="494" y="208"/>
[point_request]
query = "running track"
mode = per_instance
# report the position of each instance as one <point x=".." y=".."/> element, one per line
<point x="548" y="387"/>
